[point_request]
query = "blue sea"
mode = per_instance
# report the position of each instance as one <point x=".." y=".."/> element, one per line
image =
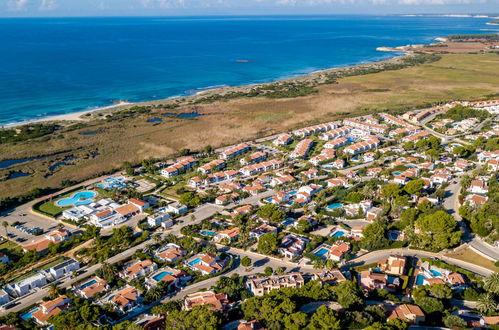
<point x="51" y="66"/>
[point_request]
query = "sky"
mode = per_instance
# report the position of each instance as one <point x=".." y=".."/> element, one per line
<point x="66" y="8"/>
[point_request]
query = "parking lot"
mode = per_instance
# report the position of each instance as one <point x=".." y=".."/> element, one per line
<point x="28" y="224"/>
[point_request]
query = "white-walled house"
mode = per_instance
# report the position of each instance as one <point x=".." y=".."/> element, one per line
<point x="22" y="287"/>
<point x="63" y="268"/>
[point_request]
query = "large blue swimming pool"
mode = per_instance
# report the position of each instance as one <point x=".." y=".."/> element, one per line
<point x="80" y="198"/>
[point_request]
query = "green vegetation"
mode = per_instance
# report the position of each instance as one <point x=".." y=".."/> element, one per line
<point x="470" y="37"/>
<point x="271" y="213"/>
<point x="26" y="132"/>
<point x="460" y="112"/>
<point x="438" y="231"/>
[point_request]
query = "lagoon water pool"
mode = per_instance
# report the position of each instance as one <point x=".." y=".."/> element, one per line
<point x="79" y="198"/>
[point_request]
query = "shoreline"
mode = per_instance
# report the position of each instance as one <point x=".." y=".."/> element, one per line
<point x="180" y="100"/>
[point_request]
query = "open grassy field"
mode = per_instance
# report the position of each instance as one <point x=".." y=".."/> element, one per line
<point x="457" y="76"/>
<point x="474" y="258"/>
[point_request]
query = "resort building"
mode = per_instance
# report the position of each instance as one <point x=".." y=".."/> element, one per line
<point x="250" y="170"/>
<point x="56" y="236"/>
<point x="412" y="314"/>
<point x="255" y="157"/>
<point x="205" y="264"/>
<point x="283" y="139"/>
<point x="371" y="281"/>
<point x="171" y="277"/>
<point x="4" y="297"/>
<point x="228" y="234"/>
<point x="181" y="165"/>
<point x="137" y="268"/>
<point x="170" y="253"/>
<point x="64" y="268"/>
<point x="329" y="276"/>
<point x="260" y="286"/>
<point x="393" y="265"/>
<point x="217" y="164"/>
<point x="362" y="146"/>
<point x="262" y="230"/>
<point x="303" y="132"/>
<point x="394" y="120"/>
<point x="123" y="300"/>
<point x="334" y="252"/>
<point x="292" y="245"/>
<point x="336" y="133"/>
<point x="92" y="287"/>
<point x="160" y="218"/>
<point x="235" y="151"/>
<point x="216" y="302"/>
<point x="364" y="125"/>
<point x="50" y="308"/>
<point x="302" y="149"/>
<point x="24" y="286"/>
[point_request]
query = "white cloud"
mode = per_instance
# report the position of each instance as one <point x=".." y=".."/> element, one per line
<point x="48" y="4"/>
<point x="17" y="5"/>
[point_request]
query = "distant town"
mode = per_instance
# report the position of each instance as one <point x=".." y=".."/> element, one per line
<point x="379" y="222"/>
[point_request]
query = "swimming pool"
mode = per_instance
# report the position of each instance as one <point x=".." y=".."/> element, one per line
<point x="396" y="173"/>
<point x="393" y="236"/>
<point x="194" y="262"/>
<point x="286" y="223"/>
<point x="88" y="284"/>
<point x="158" y="277"/>
<point x="435" y="273"/>
<point x="80" y="198"/>
<point x="112" y="183"/>
<point x="420" y="279"/>
<point x="321" y="252"/>
<point x="334" y="206"/>
<point x="28" y="315"/>
<point x="207" y="233"/>
<point x="338" y="233"/>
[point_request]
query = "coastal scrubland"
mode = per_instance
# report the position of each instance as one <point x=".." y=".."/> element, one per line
<point x="98" y="146"/>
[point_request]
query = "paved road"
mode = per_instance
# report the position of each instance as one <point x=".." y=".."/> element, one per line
<point x="451" y="204"/>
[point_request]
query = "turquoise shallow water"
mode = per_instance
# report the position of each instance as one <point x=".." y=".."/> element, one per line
<point x="55" y="66"/>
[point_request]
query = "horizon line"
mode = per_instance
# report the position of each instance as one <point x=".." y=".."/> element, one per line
<point x="471" y="15"/>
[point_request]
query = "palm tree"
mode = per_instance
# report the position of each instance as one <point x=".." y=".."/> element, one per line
<point x="491" y="283"/>
<point x="486" y="303"/>
<point x="53" y="289"/>
<point x="148" y="248"/>
<point x="5" y="224"/>
<point x="156" y="238"/>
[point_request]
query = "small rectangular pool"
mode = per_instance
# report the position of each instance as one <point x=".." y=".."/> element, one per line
<point x="208" y="233"/>
<point x="420" y="279"/>
<point x="321" y="252"/>
<point x="194" y="262"/>
<point x="28" y="315"/>
<point x="89" y="283"/>
<point x="338" y="233"/>
<point x="435" y="273"/>
<point x="334" y="206"/>
<point x="158" y="277"/>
